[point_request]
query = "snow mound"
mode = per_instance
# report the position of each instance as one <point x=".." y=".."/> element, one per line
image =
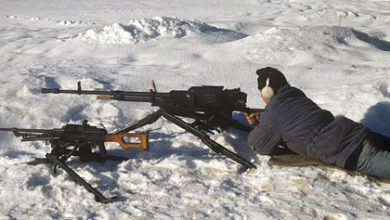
<point x="310" y="44"/>
<point x="143" y="30"/>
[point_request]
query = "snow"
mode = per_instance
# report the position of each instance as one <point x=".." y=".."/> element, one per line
<point x="338" y="52"/>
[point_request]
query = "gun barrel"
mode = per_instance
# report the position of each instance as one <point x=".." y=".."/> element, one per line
<point x="86" y="92"/>
<point x="115" y="94"/>
<point x="7" y="129"/>
<point x="26" y="130"/>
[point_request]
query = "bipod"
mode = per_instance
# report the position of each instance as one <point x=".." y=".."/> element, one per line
<point x="98" y="196"/>
<point x="151" y="118"/>
<point x="85" y="155"/>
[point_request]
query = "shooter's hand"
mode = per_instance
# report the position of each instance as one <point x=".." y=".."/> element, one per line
<point x="253" y="119"/>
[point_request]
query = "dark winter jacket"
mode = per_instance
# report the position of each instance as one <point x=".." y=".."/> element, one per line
<point x="292" y="118"/>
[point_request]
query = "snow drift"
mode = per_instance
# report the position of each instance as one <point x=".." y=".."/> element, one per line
<point x="143" y="30"/>
<point x="312" y="44"/>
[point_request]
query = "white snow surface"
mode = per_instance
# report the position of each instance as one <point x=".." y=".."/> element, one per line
<point x="337" y="51"/>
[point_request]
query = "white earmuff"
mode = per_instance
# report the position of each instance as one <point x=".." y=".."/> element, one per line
<point x="267" y="91"/>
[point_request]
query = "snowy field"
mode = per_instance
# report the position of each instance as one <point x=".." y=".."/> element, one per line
<point x="337" y="51"/>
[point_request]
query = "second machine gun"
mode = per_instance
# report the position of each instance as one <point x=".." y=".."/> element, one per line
<point x="211" y="108"/>
<point x="79" y="140"/>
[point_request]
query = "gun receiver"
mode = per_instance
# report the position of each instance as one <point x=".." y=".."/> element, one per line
<point x="211" y="108"/>
<point x="79" y="140"/>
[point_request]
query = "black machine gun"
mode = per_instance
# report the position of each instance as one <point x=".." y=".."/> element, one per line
<point x="211" y="107"/>
<point x="79" y="140"/>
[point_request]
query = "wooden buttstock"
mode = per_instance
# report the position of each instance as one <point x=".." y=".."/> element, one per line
<point x="130" y="140"/>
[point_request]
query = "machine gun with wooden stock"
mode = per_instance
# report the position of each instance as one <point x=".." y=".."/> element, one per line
<point x="79" y="140"/>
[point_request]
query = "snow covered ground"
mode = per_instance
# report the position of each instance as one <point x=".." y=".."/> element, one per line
<point x="338" y="52"/>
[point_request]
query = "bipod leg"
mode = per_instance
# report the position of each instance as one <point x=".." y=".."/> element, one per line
<point x="206" y="140"/>
<point x="149" y="119"/>
<point x="98" y="196"/>
<point x="64" y="157"/>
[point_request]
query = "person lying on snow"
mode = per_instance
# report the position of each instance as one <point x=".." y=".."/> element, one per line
<point x="294" y="121"/>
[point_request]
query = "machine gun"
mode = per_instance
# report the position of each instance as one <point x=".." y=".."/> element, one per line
<point x="211" y="108"/>
<point x="79" y="140"/>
